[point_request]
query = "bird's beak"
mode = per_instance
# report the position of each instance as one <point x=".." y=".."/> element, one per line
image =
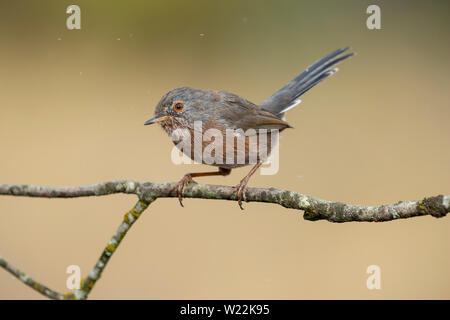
<point x="156" y="119"/>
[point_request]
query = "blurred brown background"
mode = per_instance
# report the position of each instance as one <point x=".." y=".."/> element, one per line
<point x="72" y="113"/>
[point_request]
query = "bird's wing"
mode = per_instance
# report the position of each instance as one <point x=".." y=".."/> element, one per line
<point x="262" y="120"/>
<point x="238" y="113"/>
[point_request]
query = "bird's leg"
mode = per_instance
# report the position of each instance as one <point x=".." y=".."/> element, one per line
<point x="187" y="178"/>
<point x="242" y="186"/>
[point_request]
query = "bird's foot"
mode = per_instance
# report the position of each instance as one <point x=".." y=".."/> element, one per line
<point x="179" y="187"/>
<point x="240" y="189"/>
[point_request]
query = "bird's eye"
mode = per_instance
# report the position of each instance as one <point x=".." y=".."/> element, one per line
<point x="178" y="106"/>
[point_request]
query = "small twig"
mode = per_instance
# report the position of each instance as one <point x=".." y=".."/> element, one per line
<point x="30" y="282"/>
<point x="128" y="220"/>
<point x="100" y="189"/>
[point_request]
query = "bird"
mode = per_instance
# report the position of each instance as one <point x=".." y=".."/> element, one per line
<point x="218" y="111"/>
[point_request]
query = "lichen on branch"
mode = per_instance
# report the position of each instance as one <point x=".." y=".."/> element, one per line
<point x="147" y="192"/>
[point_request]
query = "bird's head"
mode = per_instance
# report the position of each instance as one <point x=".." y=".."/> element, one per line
<point x="178" y="108"/>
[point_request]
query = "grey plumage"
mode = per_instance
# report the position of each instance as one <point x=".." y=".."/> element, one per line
<point x="183" y="108"/>
<point x="288" y="96"/>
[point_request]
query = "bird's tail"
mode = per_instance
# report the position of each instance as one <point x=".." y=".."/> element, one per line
<point x="288" y="97"/>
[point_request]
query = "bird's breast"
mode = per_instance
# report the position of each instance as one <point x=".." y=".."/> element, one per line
<point x="224" y="148"/>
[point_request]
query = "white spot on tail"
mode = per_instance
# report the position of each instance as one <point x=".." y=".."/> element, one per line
<point x="296" y="102"/>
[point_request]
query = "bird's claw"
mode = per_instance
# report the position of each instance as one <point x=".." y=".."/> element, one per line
<point x="240" y="189"/>
<point x="179" y="187"/>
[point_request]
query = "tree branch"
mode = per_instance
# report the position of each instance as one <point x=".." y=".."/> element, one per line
<point x="30" y="282"/>
<point x="128" y="220"/>
<point x="314" y="209"/>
